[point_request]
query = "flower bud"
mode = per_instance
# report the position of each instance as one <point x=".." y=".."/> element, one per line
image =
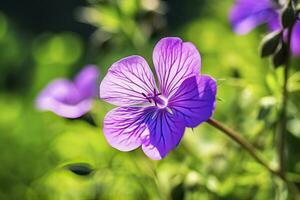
<point x="281" y="55"/>
<point x="288" y="16"/>
<point x="270" y="43"/>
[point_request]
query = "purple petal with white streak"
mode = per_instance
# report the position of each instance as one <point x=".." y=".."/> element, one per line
<point x="124" y="127"/>
<point x="126" y="80"/>
<point x="174" y="61"/>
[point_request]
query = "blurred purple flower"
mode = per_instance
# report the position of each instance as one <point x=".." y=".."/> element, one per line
<point x="248" y="14"/>
<point x="156" y="118"/>
<point x="70" y="99"/>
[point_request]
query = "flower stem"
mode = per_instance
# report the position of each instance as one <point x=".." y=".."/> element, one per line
<point x="252" y="151"/>
<point x="241" y="141"/>
<point x="283" y="113"/>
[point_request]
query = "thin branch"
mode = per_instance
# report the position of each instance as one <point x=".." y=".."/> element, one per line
<point x="283" y="114"/>
<point x="252" y="151"/>
<point x="241" y="141"/>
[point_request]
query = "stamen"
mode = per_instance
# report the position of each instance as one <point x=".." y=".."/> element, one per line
<point x="169" y="110"/>
<point x="147" y="97"/>
<point x="153" y="98"/>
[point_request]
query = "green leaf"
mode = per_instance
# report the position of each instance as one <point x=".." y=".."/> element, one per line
<point x="104" y="17"/>
<point x="281" y="55"/>
<point x="263" y="112"/>
<point x="81" y="169"/>
<point x="288" y="16"/>
<point x="128" y="7"/>
<point x="294" y="127"/>
<point x="270" y="43"/>
<point x="178" y="192"/>
<point x="294" y="82"/>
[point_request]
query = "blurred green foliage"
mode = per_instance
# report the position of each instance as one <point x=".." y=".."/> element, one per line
<point x="36" y="146"/>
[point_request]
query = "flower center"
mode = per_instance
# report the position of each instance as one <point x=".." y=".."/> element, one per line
<point x="158" y="100"/>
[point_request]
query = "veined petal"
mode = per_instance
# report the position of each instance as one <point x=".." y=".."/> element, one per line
<point x="126" y="81"/>
<point x="165" y="132"/>
<point x="124" y="127"/>
<point x="195" y="100"/>
<point x="174" y="61"/>
<point x="86" y="81"/>
<point x="63" y="98"/>
<point x="295" y="43"/>
<point x="247" y="14"/>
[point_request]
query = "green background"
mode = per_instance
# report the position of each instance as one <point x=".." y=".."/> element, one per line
<point x="44" y="40"/>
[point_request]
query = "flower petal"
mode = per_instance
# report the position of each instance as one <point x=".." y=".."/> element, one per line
<point x="126" y="80"/>
<point x="165" y="132"/>
<point x="274" y="23"/>
<point x="63" y="98"/>
<point x="247" y="14"/>
<point x="295" y="43"/>
<point x="175" y="61"/>
<point x="195" y="99"/>
<point x="86" y="81"/>
<point x="124" y="127"/>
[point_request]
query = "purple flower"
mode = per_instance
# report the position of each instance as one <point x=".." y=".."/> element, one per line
<point x="156" y="118"/>
<point x="70" y="99"/>
<point x="248" y="14"/>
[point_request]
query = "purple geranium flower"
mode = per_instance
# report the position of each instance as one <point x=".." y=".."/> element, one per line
<point x="70" y="99"/>
<point x="156" y="118"/>
<point x="247" y="14"/>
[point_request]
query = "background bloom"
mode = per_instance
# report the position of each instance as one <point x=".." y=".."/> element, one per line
<point x="153" y="118"/>
<point x="248" y="14"/>
<point x="70" y="99"/>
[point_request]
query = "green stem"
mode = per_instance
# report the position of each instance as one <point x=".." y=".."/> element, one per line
<point x="283" y="113"/>
<point x="241" y="141"/>
<point x="252" y="151"/>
